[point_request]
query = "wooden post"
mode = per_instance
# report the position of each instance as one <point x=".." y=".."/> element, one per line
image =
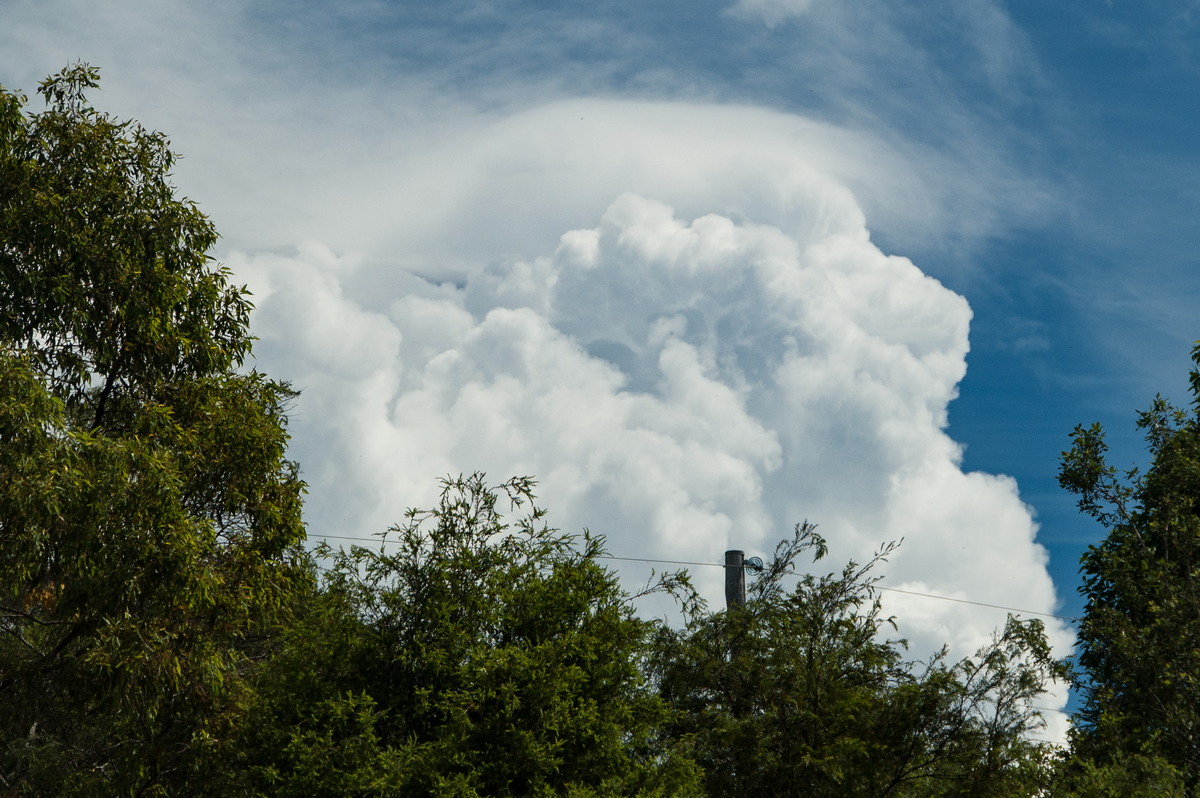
<point x="735" y="578"/>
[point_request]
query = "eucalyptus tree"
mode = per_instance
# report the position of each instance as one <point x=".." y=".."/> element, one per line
<point x="801" y="693"/>
<point x="1139" y="639"/>
<point x="475" y="652"/>
<point x="149" y="519"/>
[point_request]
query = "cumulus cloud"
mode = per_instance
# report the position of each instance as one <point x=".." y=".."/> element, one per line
<point x="681" y="385"/>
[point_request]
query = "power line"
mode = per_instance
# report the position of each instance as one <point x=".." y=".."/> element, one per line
<point x="877" y="587"/>
<point x="722" y="565"/>
<point x="978" y="603"/>
<point x="345" y="537"/>
<point x="665" y="562"/>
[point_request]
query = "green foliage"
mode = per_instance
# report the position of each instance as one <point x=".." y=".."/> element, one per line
<point x="1125" y="776"/>
<point x="149" y="521"/>
<point x="104" y="275"/>
<point x="1139" y="639"/>
<point x="469" y="655"/>
<point x="800" y="694"/>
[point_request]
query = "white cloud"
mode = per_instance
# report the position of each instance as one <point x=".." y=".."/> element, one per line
<point x="680" y="385"/>
<point x="300" y="131"/>
<point x="771" y="12"/>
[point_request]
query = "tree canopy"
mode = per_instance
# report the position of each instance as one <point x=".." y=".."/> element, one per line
<point x="470" y="654"/>
<point x="476" y="653"/>
<point x="800" y="693"/>
<point x="149" y="519"/>
<point x="1139" y="639"/>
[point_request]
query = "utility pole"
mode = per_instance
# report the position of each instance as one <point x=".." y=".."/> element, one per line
<point x="735" y="578"/>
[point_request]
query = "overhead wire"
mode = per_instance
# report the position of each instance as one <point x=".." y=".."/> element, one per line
<point x="655" y="560"/>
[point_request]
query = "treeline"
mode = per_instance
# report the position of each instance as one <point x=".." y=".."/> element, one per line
<point x="164" y="631"/>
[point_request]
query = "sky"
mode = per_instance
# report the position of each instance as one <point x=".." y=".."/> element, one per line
<point x="705" y="269"/>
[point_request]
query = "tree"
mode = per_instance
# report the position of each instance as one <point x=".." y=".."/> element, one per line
<point x="1139" y="638"/>
<point x="1123" y="775"/>
<point x="470" y="654"/>
<point x="149" y="520"/>
<point x="799" y="694"/>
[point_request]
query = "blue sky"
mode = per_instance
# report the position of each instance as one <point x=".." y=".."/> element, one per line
<point x="705" y="268"/>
